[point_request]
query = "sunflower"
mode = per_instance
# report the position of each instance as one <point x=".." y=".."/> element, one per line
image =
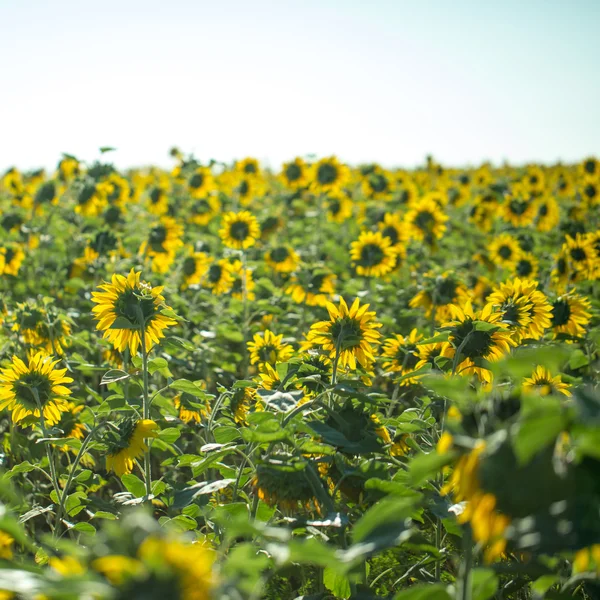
<point x="204" y="210"/>
<point x="27" y="389"/>
<point x="11" y="259"/>
<point x="81" y="265"/>
<point x="219" y="277"/>
<point x="393" y="227"/>
<point x="373" y="254"/>
<point x="164" y="238"/>
<point x="581" y="256"/>
<point x="487" y="523"/>
<point x="438" y="294"/>
<point x="158" y="201"/>
<point x="427" y="353"/>
<point x="312" y="287"/>
<point x="542" y="382"/>
<point x="194" y="267"/>
<point x="201" y="183"/>
<point x="127" y="445"/>
<point x="125" y="306"/>
<point x="294" y="174"/>
<point x="504" y="251"/>
<point x="118" y="190"/>
<point x="526" y="266"/>
<point x="239" y="230"/>
<point x="248" y="167"/>
<point x="282" y="259"/>
<point x="400" y="354"/>
<point x="590" y="193"/>
<point x="484" y="211"/>
<point x="68" y="168"/>
<point x="570" y="315"/>
<point x="425" y="221"/>
<point x="37" y="329"/>
<point x="548" y="215"/>
<point x="190" y="409"/>
<point x="270" y="225"/>
<point x="519" y="209"/>
<point x="338" y="207"/>
<point x="329" y="175"/>
<point x="468" y="342"/>
<point x="564" y="186"/>
<point x="47" y="193"/>
<point x="350" y="334"/>
<point x="71" y="425"/>
<point x="6" y="552"/>
<point x="91" y="199"/>
<point x="242" y="277"/>
<point x="534" y="180"/>
<point x="408" y="193"/>
<point x="268" y="348"/>
<point x="378" y="184"/>
<point x="589" y="169"/>
<point x="523" y="308"/>
<point x="241" y="400"/>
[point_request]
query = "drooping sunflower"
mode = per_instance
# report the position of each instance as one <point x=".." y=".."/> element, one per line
<point x="570" y="314"/>
<point x="426" y="221"/>
<point x="134" y="303"/>
<point x="204" y="210"/>
<point x="190" y="409"/>
<point x="40" y="330"/>
<point x="11" y="259"/>
<point x="487" y="523"/>
<point x="504" y="250"/>
<point x="240" y="402"/>
<point x="338" y="207"/>
<point x="527" y="266"/>
<point x="350" y="334"/>
<point x="242" y="281"/>
<point x="393" y="227"/>
<point x="373" y="254"/>
<point x="548" y="214"/>
<point x="91" y="199"/>
<point x="25" y="389"/>
<point x="329" y="175"/>
<point x="438" y="293"/>
<point x="266" y="347"/>
<point x="219" y="278"/>
<point x="194" y="267"/>
<point x="523" y="308"/>
<point x="127" y="445"/>
<point x="294" y="174"/>
<point x="313" y="287"/>
<point x="239" y="230"/>
<point x="158" y="201"/>
<point x="542" y="382"/>
<point x="282" y="259"/>
<point x="467" y="343"/>
<point x="400" y="354"/>
<point x="201" y="183"/>
<point x="378" y="184"/>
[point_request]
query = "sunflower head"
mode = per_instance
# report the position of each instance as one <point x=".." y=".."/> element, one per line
<point x="542" y="382"/>
<point x="373" y="254"/>
<point x="126" y="443"/>
<point x="239" y="230"/>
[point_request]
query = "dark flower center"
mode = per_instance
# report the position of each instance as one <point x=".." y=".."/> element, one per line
<point x="196" y="181"/>
<point x="371" y="255"/>
<point x="561" y="313"/>
<point x="214" y="273"/>
<point x="511" y="313"/>
<point x="86" y="194"/>
<point x="9" y="255"/>
<point x="346" y="332"/>
<point x="280" y="254"/>
<point x="315" y="283"/>
<point x="156" y="195"/>
<point x="524" y="268"/>
<point x="445" y="291"/>
<point x="407" y="356"/>
<point x="543" y="210"/>
<point x="112" y="215"/>
<point x="590" y="191"/>
<point x="239" y="230"/>
<point x="157" y="237"/>
<point x="244" y="188"/>
<point x="518" y="207"/>
<point x="45" y="193"/>
<point x="578" y="254"/>
<point x="391" y="233"/>
<point x="561" y="266"/>
<point x="478" y="344"/>
<point x="293" y="172"/>
<point x="104" y="240"/>
<point x="250" y="168"/>
<point x="589" y="166"/>
<point x="327" y="174"/>
<point x="202" y="207"/>
<point x="334" y="207"/>
<point x="378" y="182"/>
<point x="189" y="266"/>
<point x="505" y="252"/>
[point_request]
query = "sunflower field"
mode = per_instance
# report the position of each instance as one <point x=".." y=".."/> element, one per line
<point x="221" y="381"/>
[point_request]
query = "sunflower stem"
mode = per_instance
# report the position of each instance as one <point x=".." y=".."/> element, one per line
<point x="146" y="404"/>
<point x="464" y="579"/>
<point x="458" y="352"/>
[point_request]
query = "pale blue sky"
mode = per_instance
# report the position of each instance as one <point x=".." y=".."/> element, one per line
<point x="383" y="80"/>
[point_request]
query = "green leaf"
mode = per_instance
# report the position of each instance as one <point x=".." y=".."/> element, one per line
<point x="186" y="496"/>
<point x="114" y="375"/>
<point x="123" y="323"/>
<point x="159" y="364"/>
<point x="169" y="434"/>
<point x="577" y="360"/>
<point x="425" y="466"/>
<point x="189" y="387"/>
<point x="178" y="342"/>
<point x="337" y="584"/>
<point x="85" y="528"/>
<point x="134" y="485"/>
<point x="484" y="584"/>
<point x="424" y="591"/>
<point x="537" y="432"/>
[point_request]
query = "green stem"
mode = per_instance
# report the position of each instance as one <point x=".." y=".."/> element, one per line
<point x="464" y="579"/>
<point x="146" y="409"/>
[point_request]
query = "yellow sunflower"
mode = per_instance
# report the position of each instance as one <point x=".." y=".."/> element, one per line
<point x="11" y="259"/>
<point x="534" y="180"/>
<point x="294" y="174"/>
<point x="329" y="175"/>
<point x="6" y="552"/>
<point x="219" y="277"/>
<point x="542" y="382"/>
<point x="204" y="210"/>
<point x="519" y="209"/>
<point x="248" y="167"/>
<point x="313" y="287"/>
<point x="570" y="315"/>
<point x="394" y="228"/>
<point x="164" y="237"/>
<point x="523" y="308"/>
<point x="378" y="184"/>
<point x="548" y="215"/>
<point x="190" y="409"/>
<point x="201" y="183"/>
<point x="25" y="389"/>
<point x="126" y="306"/>
<point x="468" y="342"/>
<point x="127" y="445"/>
<point x="282" y="259"/>
<point x="266" y="347"/>
<point x="373" y="254"/>
<point x="81" y="265"/>
<point x="527" y="266"/>
<point x="194" y="267"/>
<point x="400" y="354"/>
<point x="71" y="425"/>
<point x="590" y="193"/>
<point x="426" y="221"/>
<point x="338" y="207"/>
<point x="68" y="168"/>
<point x="158" y="201"/>
<point x="438" y="294"/>
<point x="504" y="250"/>
<point x="91" y="199"/>
<point x="589" y="169"/>
<point x="239" y="230"/>
<point x="242" y="277"/>
<point x="350" y="334"/>
<point x="118" y="190"/>
<point x="580" y="254"/>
